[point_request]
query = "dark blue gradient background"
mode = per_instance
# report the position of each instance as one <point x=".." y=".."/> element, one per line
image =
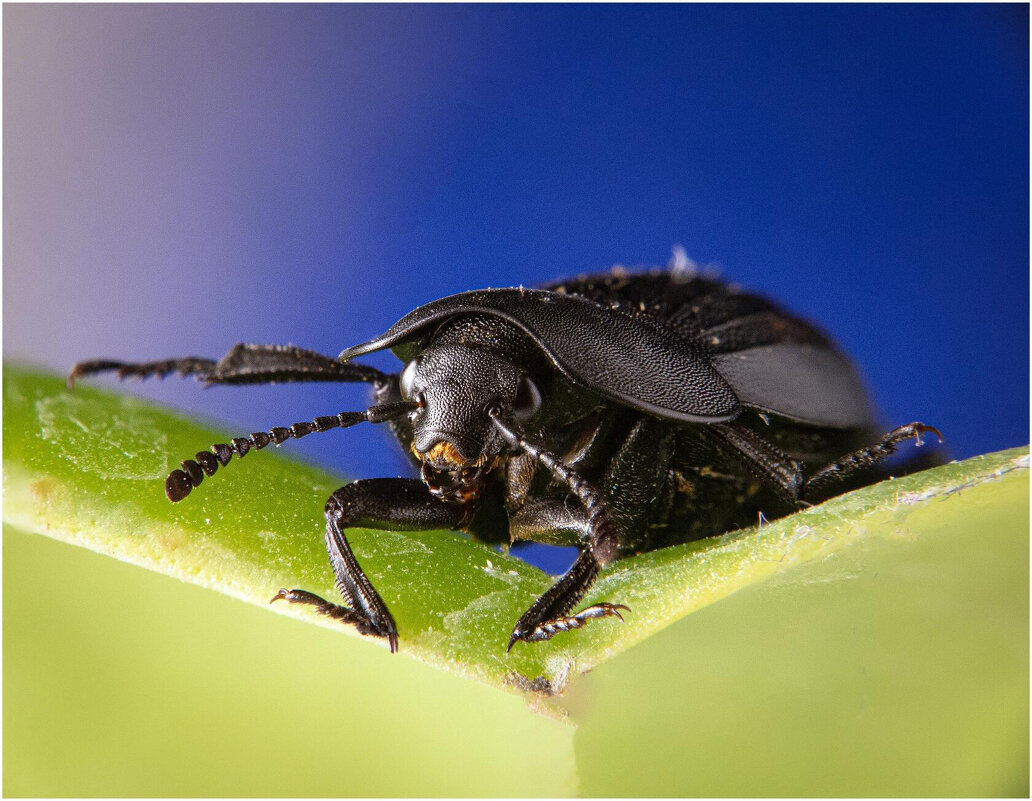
<point x="179" y="178"/>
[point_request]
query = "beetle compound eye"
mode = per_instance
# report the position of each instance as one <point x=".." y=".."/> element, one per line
<point x="528" y="399"/>
<point x="407" y="377"/>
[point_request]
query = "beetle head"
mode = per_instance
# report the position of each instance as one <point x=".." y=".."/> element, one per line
<point x="457" y="385"/>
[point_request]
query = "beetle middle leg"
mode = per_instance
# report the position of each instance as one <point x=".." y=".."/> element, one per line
<point x="398" y="504"/>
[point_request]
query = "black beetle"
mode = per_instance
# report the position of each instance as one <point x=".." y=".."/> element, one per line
<point x="616" y="412"/>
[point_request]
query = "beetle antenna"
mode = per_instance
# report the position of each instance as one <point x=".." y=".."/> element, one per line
<point x="180" y="483"/>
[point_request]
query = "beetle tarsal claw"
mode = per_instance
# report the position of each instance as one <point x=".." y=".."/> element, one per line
<point x="921" y="428"/>
<point x="345" y="614"/>
<point x="548" y="629"/>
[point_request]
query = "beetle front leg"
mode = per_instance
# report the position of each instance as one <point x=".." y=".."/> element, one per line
<point x="379" y="503"/>
<point x="548" y="614"/>
<point x="567" y="522"/>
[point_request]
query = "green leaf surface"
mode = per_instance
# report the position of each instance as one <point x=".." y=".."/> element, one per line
<point x="88" y="468"/>
<point x="898" y="666"/>
<point x="876" y="644"/>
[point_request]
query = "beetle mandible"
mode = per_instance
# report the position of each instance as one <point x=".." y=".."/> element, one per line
<point x="619" y="412"/>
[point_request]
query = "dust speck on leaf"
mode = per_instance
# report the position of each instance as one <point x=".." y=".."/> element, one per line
<point x="43" y="490"/>
<point x="492" y="605"/>
<point x="388" y="542"/>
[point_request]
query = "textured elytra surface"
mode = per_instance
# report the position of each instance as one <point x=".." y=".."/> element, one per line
<point x="602" y="348"/>
<point x="708" y="345"/>
<point x="86" y="468"/>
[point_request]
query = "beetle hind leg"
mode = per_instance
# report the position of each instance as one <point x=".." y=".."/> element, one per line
<point x="787" y="476"/>
<point x="864" y="458"/>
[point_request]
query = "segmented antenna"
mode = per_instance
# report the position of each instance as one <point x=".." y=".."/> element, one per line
<point x="180" y="483"/>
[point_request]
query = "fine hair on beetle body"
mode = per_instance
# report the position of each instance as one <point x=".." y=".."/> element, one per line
<point x="618" y="412"/>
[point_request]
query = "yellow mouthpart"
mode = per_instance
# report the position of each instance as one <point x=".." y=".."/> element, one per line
<point x="446" y="452"/>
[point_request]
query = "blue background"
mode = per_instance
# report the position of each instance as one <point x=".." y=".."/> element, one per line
<point x="181" y="178"/>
